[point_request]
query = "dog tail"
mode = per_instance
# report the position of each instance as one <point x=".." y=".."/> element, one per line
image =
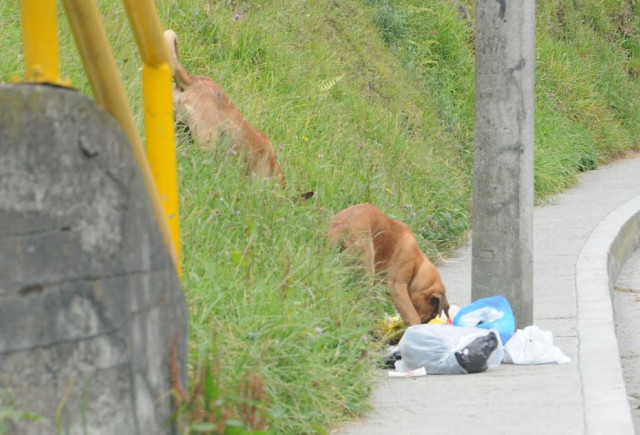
<point x="180" y="74"/>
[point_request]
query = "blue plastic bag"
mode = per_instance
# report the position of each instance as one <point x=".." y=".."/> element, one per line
<point x="489" y="313"/>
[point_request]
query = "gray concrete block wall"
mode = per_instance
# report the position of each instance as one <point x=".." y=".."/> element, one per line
<point x="89" y="298"/>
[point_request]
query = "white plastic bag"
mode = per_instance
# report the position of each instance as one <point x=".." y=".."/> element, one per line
<point x="532" y="345"/>
<point x="447" y="349"/>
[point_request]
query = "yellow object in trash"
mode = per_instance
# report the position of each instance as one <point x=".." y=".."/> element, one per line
<point x="392" y="328"/>
<point x="440" y="319"/>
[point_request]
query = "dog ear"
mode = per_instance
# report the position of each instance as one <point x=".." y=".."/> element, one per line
<point x="304" y="196"/>
<point x="174" y="38"/>
<point x="307" y="195"/>
<point x="441" y="304"/>
<point x="437" y="303"/>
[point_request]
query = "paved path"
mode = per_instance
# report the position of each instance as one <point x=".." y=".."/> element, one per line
<point x="582" y="397"/>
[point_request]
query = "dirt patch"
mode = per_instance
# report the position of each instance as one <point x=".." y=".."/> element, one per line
<point x="629" y="155"/>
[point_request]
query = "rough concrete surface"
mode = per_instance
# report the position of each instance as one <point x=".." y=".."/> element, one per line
<point x="503" y="154"/>
<point x="511" y="399"/>
<point x="89" y="299"/>
<point x="626" y="306"/>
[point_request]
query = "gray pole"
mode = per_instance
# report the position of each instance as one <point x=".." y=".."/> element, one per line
<point x="502" y="246"/>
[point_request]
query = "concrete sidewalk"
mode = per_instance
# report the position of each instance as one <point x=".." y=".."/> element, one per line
<point x="581" y="240"/>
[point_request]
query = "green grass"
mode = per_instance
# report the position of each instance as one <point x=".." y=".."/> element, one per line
<point x="364" y="100"/>
<point x="9" y="414"/>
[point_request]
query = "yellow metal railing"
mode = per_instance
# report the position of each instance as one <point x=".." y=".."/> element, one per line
<point x="41" y="54"/>
<point x="158" y="107"/>
<point x="42" y="65"/>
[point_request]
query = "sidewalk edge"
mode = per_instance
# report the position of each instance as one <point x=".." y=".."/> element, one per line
<point x="599" y="263"/>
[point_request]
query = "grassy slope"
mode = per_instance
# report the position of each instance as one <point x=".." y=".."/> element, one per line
<point x="366" y="100"/>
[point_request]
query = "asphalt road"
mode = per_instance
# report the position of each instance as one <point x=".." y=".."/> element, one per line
<point x="626" y="306"/>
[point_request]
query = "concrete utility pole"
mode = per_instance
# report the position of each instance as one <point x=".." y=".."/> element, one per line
<point x="502" y="249"/>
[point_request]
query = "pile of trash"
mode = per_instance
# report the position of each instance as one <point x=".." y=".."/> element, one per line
<point x="481" y="336"/>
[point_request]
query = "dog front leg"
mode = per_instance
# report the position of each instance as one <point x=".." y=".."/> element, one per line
<point x="402" y="302"/>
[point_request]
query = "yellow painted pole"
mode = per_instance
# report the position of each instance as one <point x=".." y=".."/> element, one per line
<point x="148" y="31"/>
<point x="158" y="109"/>
<point x="40" y="36"/>
<point x="161" y="154"/>
<point x="100" y="66"/>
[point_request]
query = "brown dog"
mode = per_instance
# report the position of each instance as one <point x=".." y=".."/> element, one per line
<point x="388" y="245"/>
<point x="210" y="114"/>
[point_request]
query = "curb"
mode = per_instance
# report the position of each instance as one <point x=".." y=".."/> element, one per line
<point x="600" y="261"/>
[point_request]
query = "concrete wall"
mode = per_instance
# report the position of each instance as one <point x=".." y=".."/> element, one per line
<point x="89" y="299"/>
<point x="626" y="242"/>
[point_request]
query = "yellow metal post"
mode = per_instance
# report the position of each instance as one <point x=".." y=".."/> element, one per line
<point x="40" y="36"/>
<point x="148" y="31"/>
<point x="158" y="109"/>
<point x="100" y="66"/>
<point x="158" y="118"/>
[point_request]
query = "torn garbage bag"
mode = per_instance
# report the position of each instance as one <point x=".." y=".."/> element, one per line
<point x="493" y="312"/>
<point x="449" y="350"/>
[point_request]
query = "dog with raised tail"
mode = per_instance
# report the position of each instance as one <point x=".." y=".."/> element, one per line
<point x="387" y="246"/>
<point x="210" y="115"/>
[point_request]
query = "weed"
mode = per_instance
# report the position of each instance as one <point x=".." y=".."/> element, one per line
<point x="9" y="413"/>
